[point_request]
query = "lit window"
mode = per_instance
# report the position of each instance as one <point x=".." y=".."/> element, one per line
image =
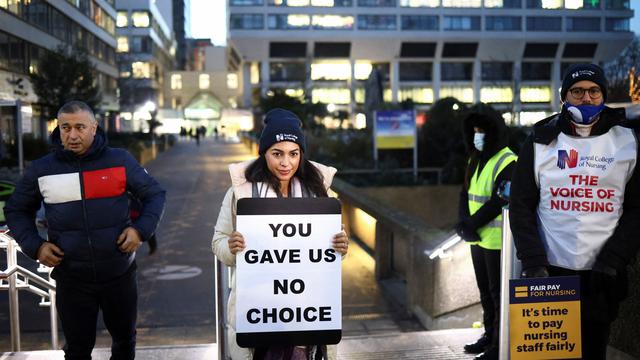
<point x="462" y="3"/>
<point x="420" y="3"/>
<point x="121" y="19"/>
<point x="362" y="70"/>
<point x="141" y="70"/>
<point x="417" y="94"/>
<point x="123" y="44"/>
<point x="232" y="81"/>
<point x="294" y="92"/>
<point x="551" y="4"/>
<point x="496" y="95"/>
<point x="535" y="94"/>
<point x="288" y="21"/>
<point x="528" y="118"/>
<point x="203" y="81"/>
<point x="361" y="121"/>
<point x="298" y="2"/>
<point x="332" y="22"/>
<point x="463" y="94"/>
<point x="140" y="19"/>
<point x="255" y="73"/>
<point x="359" y="95"/>
<point x="331" y="96"/>
<point x="331" y="71"/>
<point x="176" y="81"/>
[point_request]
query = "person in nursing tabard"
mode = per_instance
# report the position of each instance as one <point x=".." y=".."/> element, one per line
<point x="281" y="170"/>
<point x="595" y="232"/>
<point x="490" y="166"/>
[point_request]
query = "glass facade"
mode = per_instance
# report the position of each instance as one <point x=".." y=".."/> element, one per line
<point x="535" y="94"/>
<point x="246" y="2"/>
<point x="415" y="71"/>
<point x="544" y="4"/>
<point x="461" y="23"/>
<point x="288" y="22"/>
<point x="377" y="3"/>
<point x="462" y="93"/>
<point x="459" y="71"/>
<point x="462" y="3"/>
<point x="420" y="3"/>
<point x="496" y="94"/>
<point x="246" y="21"/>
<point x="617" y="4"/>
<point x="419" y="95"/>
<point x="544" y="23"/>
<point x="617" y="24"/>
<point x="536" y="71"/>
<point x="583" y="24"/>
<point x="503" y="23"/>
<point x="140" y="19"/>
<point x="376" y="22"/>
<point x="287" y="71"/>
<point x="332" y="22"/>
<point x="419" y="22"/>
<point x="497" y="71"/>
<point x="506" y="4"/>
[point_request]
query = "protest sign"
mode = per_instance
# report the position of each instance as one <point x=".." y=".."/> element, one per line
<point x="544" y="318"/>
<point x="288" y="279"/>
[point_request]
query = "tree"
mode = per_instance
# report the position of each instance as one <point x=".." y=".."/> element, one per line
<point x="442" y="143"/>
<point x="617" y="72"/>
<point x="65" y="74"/>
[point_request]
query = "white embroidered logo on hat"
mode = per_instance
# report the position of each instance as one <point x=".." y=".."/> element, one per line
<point x="286" y="137"/>
<point x="582" y="72"/>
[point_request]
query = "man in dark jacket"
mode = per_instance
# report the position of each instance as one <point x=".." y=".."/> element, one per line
<point x="490" y="166"/>
<point x="575" y="201"/>
<point x="91" y="240"/>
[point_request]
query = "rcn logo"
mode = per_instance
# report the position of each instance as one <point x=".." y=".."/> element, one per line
<point x="567" y="160"/>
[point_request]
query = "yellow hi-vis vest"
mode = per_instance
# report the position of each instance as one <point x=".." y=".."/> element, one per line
<point x="480" y="190"/>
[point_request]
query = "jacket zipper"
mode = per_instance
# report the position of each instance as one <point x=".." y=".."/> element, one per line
<point x="86" y="221"/>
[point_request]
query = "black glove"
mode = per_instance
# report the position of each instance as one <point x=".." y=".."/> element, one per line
<point x="535" y="272"/>
<point x="466" y="232"/>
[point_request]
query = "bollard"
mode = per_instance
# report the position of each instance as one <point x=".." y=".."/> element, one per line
<point x="510" y="265"/>
<point x="14" y="309"/>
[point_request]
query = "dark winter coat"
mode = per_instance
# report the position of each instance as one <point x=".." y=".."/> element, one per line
<point x="86" y="206"/>
<point x="496" y="138"/>
<point x="620" y="249"/>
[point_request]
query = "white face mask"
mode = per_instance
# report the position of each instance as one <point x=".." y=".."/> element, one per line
<point x="478" y="141"/>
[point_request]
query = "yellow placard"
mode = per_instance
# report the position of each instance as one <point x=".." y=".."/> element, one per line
<point x="544" y="330"/>
<point x="395" y="142"/>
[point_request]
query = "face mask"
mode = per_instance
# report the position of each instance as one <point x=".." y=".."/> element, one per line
<point x="584" y="114"/>
<point x="478" y="141"/>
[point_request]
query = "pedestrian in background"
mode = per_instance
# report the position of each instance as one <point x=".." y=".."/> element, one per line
<point x="586" y="146"/>
<point x="490" y="166"/>
<point x="91" y="239"/>
<point x="281" y="170"/>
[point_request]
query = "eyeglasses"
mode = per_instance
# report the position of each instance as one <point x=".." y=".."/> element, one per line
<point x="578" y="93"/>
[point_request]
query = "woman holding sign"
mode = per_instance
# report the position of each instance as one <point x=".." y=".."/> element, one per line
<point x="281" y="170"/>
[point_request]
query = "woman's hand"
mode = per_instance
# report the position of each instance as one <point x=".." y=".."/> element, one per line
<point x="341" y="242"/>
<point x="236" y="242"/>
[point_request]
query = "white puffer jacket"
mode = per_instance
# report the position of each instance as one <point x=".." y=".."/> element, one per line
<point x="241" y="188"/>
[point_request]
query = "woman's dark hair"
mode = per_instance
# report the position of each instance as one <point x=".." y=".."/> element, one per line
<point x="309" y="176"/>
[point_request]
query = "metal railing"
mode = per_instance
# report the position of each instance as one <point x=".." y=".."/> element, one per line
<point x="16" y="278"/>
<point x="222" y="282"/>
<point x="510" y="267"/>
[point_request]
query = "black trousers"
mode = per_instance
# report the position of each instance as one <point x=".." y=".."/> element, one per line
<point x="486" y="264"/>
<point x="596" y="312"/>
<point x="78" y="304"/>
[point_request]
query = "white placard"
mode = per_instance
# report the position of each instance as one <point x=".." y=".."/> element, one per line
<point x="288" y="278"/>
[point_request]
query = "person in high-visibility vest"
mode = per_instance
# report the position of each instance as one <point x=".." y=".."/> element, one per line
<point x="575" y="204"/>
<point x="490" y="166"/>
